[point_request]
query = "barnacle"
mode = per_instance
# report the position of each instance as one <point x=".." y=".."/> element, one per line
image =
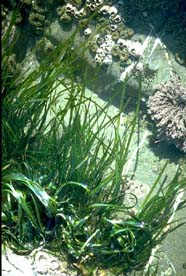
<point x="115" y="35"/>
<point x="124" y="55"/>
<point x="115" y="51"/>
<point x="106" y="22"/>
<point x="167" y="108"/>
<point x="64" y="16"/>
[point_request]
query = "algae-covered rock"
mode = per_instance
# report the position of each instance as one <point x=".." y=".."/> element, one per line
<point x="122" y="40"/>
<point x="118" y="62"/>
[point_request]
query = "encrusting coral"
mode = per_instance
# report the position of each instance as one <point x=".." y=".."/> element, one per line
<point x="167" y="108"/>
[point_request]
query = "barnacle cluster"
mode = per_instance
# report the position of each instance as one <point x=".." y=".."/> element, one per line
<point x="121" y="49"/>
<point x="102" y="20"/>
<point x="110" y="36"/>
<point x="167" y="108"/>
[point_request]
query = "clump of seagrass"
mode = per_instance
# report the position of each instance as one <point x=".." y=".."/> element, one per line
<point x="167" y="108"/>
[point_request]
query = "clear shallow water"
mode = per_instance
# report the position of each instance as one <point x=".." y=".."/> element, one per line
<point x="151" y="156"/>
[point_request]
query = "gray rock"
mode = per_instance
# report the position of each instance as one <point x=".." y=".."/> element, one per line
<point x="157" y="61"/>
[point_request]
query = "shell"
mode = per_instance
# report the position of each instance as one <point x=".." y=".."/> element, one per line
<point x="98" y="59"/>
<point x="105" y="10"/>
<point x="113" y="27"/>
<point x="87" y="31"/>
<point x="122" y="43"/>
<point x="100" y="52"/>
<point x="108" y="37"/>
<point x="99" y="2"/>
<point x="107" y="59"/>
<point x="116" y="19"/>
<point x="70" y="9"/>
<point x="113" y="11"/>
<point x="135" y="48"/>
<point x="80" y="13"/>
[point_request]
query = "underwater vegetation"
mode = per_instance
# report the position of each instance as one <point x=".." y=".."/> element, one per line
<point x="63" y="177"/>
